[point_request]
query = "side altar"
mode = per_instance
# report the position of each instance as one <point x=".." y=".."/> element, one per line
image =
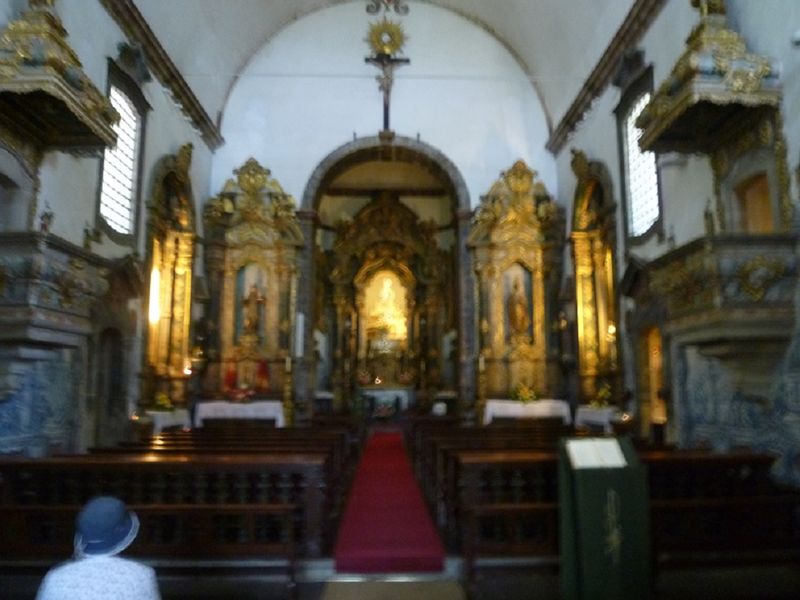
<point x="517" y="239"/>
<point x="251" y="247"/>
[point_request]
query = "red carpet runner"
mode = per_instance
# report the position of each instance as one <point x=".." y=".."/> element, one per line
<point x="386" y="527"/>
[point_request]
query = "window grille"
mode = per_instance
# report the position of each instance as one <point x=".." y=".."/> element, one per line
<point x="643" y="205"/>
<point x="118" y="189"/>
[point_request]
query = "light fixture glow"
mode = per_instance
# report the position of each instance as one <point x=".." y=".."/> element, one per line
<point x="155" y="289"/>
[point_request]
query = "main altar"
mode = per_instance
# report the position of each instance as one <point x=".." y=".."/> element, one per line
<point x="386" y="278"/>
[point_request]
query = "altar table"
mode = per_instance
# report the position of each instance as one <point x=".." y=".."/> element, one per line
<point x="601" y="417"/>
<point x="386" y="396"/>
<point x="527" y="410"/>
<point x="221" y="409"/>
<point x="168" y="418"/>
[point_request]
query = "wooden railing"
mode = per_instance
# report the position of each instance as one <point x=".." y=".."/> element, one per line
<point x="500" y="498"/>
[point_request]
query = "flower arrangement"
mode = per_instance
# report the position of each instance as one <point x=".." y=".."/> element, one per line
<point x="406" y="377"/>
<point x="364" y="377"/>
<point x="524" y="393"/>
<point x="162" y="402"/>
<point x="243" y="394"/>
<point x="603" y="396"/>
<point x="384" y="411"/>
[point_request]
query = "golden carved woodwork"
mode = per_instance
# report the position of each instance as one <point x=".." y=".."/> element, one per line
<point x="593" y="258"/>
<point x="758" y="274"/>
<point x="44" y="94"/>
<point x="171" y="239"/>
<point x="252" y="231"/>
<point x="712" y="92"/>
<point x="517" y="240"/>
<point x="764" y="134"/>
<point x="728" y="287"/>
<point x="387" y="236"/>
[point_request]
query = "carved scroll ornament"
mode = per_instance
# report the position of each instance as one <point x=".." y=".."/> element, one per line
<point x="42" y="78"/>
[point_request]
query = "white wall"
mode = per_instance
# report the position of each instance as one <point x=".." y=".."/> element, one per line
<point x="308" y="92"/>
<point x="69" y="183"/>
<point x="686" y="185"/>
<point x="768" y="27"/>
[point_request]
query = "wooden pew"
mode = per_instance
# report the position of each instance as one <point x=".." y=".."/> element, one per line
<point x="172" y="535"/>
<point x="437" y="470"/>
<point x="182" y="482"/>
<point x="705" y="508"/>
<point x="287" y="441"/>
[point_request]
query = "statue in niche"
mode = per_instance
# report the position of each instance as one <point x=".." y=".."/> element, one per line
<point x="387" y="314"/>
<point x="252" y="309"/>
<point x="518" y="314"/>
<point x="176" y="189"/>
<point x="588" y="193"/>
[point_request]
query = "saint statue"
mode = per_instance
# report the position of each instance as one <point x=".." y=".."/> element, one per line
<point x="251" y="306"/>
<point x="387" y="312"/>
<point x="518" y="314"/>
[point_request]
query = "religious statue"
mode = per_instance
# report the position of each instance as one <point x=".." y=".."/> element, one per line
<point x="387" y="314"/>
<point x="251" y="306"/>
<point x="518" y="314"/>
<point x="176" y="188"/>
<point x="588" y="193"/>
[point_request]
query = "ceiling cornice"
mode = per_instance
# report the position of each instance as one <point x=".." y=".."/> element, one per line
<point x="133" y="24"/>
<point x="635" y="25"/>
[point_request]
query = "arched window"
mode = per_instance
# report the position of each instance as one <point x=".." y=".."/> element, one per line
<point x="120" y="178"/>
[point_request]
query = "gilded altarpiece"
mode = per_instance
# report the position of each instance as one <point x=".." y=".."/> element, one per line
<point x="593" y="259"/>
<point x="171" y="240"/>
<point x="388" y="281"/>
<point x="253" y="237"/>
<point x="517" y="240"/>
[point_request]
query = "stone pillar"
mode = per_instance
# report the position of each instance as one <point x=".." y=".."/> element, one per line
<point x="304" y="376"/>
<point x="467" y="350"/>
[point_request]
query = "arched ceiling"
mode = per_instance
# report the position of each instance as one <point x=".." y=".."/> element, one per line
<point x="557" y="42"/>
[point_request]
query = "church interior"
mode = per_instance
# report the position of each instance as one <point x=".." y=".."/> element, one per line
<point x="282" y="275"/>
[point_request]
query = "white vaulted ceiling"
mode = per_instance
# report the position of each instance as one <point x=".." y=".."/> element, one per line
<point x="557" y="42"/>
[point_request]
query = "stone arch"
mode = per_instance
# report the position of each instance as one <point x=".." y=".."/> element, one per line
<point x="403" y="149"/>
<point x="372" y="148"/>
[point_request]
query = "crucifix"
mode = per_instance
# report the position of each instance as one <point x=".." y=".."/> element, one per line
<point x="386" y="39"/>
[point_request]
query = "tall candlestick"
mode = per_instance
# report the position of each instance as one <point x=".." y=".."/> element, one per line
<point x="298" y="335"/>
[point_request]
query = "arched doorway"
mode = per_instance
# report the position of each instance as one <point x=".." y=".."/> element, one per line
<point x="387" y="220"/>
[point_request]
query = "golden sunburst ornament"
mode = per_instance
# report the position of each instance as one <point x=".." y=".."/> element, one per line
<point x="386" y="37"/>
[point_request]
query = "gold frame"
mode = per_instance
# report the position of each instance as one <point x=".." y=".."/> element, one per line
<point x="170" y="241"/>
<point x="253" y="222"/>
<point x="517" y="225"/>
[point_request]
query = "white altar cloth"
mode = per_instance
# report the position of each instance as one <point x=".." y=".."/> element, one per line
<point x="387" y="396"/>
<point x="168" y="418"/>
<point x="527" y="410"/>
<point x="221" y="409"/>
<point x="596" y="417"/>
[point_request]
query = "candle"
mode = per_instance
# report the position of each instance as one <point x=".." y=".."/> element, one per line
<point x="481" y="364"/>
<point x="288" y="363"/>
<point x="298" y="336"/>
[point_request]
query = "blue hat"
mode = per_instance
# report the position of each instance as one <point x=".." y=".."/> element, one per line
<point x="104" y="527"/>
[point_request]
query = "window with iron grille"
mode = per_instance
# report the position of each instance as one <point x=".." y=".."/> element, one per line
<point x="641" y="175"/>
<point x="120" y="166"/>
<point x="639" y="171"/>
